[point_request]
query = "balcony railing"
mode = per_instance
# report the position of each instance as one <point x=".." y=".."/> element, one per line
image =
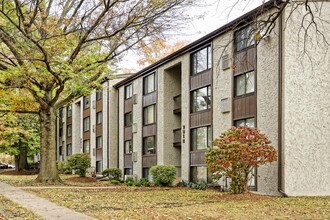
<point x="177" y="104"/>
<point x="177" y="138"/>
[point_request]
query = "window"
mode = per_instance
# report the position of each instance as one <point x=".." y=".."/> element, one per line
<point x="69" y="111"/>
<point x="60" y="132"/>
<point x="244" y="83"/>
<point x="69" y="130"/>
<point x="149" y="145"/>
<point x="86" y="102"/>
<point x="68" y="149"/>
<point x="149" y="115"/>
<point x="201" y="138"/>
<point x="128" y="171"/>
<point x="60" y="151"/>
<point x="99" y="95"/>
<point x="201" y="60"/>
<point x="99" y="142"/>
<point x="128" y="147"/>
<point x="86" y="125"/>
<point x="86" y="146"/>
<point x="248" y="122"/>
<point x="128" y="117"/>
<point x="149" y="84"/>
<point x="98" y="166"/>
<point x="146" y="174"/>
<point x="244" y="38"/>
<point x="199" y="174"/>
<point x="99" y="118"/>
<point x="128" y="91"/>
<point x="201" y="99"/>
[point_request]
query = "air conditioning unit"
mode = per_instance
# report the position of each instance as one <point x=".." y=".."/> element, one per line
<point x="225" y="105"/>
<point x="225" y="62"/>
<point x="93" y="128"/>
<point x="135" y="99"/>
<point x="134" y="128"/>
<point x="94" y="104"/>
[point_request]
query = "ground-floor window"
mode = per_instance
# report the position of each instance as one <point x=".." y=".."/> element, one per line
<point x="128" y="171"/>
<point x="98" y="166"/>
<point x="248" y="122"/>
<point x="146" y="174"/>
<point x="68" y="149"/>
<point x="201" y="138"/>
<point x="199" y="174"/>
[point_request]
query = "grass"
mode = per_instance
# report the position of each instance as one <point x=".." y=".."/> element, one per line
<point x="14" y="211"/>
<point x="182" y="203"/>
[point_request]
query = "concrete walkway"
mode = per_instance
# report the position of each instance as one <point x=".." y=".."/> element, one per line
<point x="40" y="206"/>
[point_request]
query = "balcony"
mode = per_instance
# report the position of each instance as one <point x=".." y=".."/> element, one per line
<point x="177" y="137"/>
<point x="177" y="104"/>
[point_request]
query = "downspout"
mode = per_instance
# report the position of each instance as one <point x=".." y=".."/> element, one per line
<point x="280" y="105"/>
<point x="108" y="126"/>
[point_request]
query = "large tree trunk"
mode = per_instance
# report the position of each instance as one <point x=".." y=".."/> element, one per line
<point x="48" y="171"/>
<point x="21" y="160"/>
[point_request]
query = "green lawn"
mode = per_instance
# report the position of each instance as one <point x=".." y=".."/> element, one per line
<point x="182" y="203"/>
<point x="14" y="211"/>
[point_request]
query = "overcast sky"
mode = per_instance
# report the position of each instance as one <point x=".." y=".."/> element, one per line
<point x="216" y="14"/>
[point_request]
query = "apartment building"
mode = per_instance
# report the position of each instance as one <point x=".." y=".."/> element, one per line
<point x="169" y="112"/>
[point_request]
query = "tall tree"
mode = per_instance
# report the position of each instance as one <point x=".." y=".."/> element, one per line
<point x="52" y="51"/>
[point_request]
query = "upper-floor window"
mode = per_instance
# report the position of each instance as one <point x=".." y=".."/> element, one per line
<point x="86" y="102"/>
<point x="201" y="99"/>
<point x="149" y="84"/>
<point x="86" y="124"/>
<point x="248" y="122"/>
<point x="201" y="60"/>
<point x="149" y="145"/>
<point x="149" y="115"/>
<point x="244" y="83"/>
<point x="60" y="131"/>
<point x="99" y="95"/>
<point x="60" y="114"/>
<point x="69" y="110"/>
<point x="201" y="138"/>
<point x="69" y="130"/>
<point x="128" y="91"/>
<point x="99" y="142"/>
<point x="128" y="119"/>
<point x="86" y="146"/>
<point x="98" y="117"/>
<point x="128" y="147"/>
<point x="244" y="38"/>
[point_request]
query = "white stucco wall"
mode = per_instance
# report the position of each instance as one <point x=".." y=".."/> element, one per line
<point x="121" y="127"/>
<point x="307" y="107"/>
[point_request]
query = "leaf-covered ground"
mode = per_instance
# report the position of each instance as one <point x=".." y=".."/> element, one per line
<point x="14" y="211"/>
<point x="182" y="203"/>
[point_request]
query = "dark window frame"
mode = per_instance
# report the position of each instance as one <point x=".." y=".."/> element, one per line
<point x="85" y="128"/>
<point x="99" y="95"/>
<point x="193" y="98"/>
<point x="69" y="111"/>
<point x="195" y="60"/>
<point x="145" y="149"/>
<point x="128" y="91"/>
<point x="236" y="77"/>
<point x="248" y="38"/>
<point x="69" y="131"/>
<point x="99" y="142"/>
<point x="130" y="147"/>
<point x="128" y="119"/>
<point x="87" y="102"/>
<point x="69" y="149"/>
<point x="208" y="135"/>
<point x="146" y="84"/>
<point x="99" y="119"/>
<point x="144" y="112"/>
<point x="244" y="120"/>
<point x="84" y="146"/>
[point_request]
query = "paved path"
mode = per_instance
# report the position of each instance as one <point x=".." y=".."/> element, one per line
<point x="40" y="206"/>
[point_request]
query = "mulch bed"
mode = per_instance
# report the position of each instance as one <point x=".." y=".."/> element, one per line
<point x="82" y="179"/>
<point x="22" y="172"/>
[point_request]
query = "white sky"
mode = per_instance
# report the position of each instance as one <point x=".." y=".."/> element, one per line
<point x="215" y="14"/>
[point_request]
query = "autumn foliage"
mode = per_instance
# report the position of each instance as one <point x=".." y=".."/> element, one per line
<point x="236" y="153"/>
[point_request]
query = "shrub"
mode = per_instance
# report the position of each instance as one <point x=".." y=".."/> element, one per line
<point x="236" y="153"/>
<point x="112" y="173"/>
<point x="129" y="179"/>
<point x="163" y="175"/>
<point x="80" y="163"/>
<point x="63" y="167"/>
<point x="142" y="182"/>
<point x="182" y="184"/>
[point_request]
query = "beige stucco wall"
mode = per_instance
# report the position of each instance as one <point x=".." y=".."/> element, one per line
<point x="267" y="105"/>
<point x="169" y="85"/>
<point x="306" y="108"/>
